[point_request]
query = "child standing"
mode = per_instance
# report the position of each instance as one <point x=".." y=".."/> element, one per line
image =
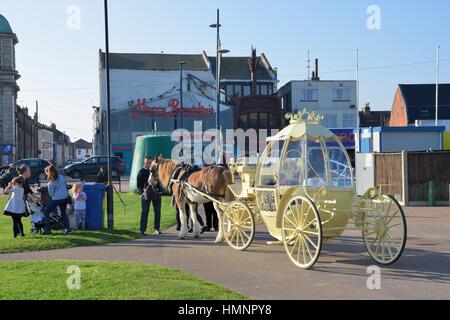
<point x="79" y="204"/>
<point x="16" y="205"/>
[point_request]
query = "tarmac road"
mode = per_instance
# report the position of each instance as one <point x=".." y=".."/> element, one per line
<point x="265" y="272"/>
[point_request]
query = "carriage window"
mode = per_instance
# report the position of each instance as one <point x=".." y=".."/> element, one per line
<point x="340" y="168"/>
<point x="292" y="167"/>
<point x="315" y="167"/>
<point x="269" y="164"/>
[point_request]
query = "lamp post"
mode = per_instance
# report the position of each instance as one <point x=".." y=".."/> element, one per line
<point x="109" y="198"/>
<point x="219" y="53"/>
<point x="181" y="63"/>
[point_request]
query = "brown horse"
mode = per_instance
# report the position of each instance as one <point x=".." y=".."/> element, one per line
<point x="212" y="181"/>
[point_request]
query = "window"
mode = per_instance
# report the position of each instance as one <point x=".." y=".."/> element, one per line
<point x="264" y="89"/>
<point x="247" y="90"/>
<point x="292" y="168"/>
<point x="349" y="120"/>
<point x="310" y="95"/>
<point x="238" y="90"/>
<point x="253" y="121"/>
<point x="341" y="94"/>
<point x="229" y="90"/>
<point x="243" y="122"/>
<point x="269" y="164"/>
<point x="263" y="120"/>
<point x="340" y="168"/>
<point x="330" y="121"/>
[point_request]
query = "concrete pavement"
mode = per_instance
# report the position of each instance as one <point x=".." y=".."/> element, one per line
<point x="265" y="272"/>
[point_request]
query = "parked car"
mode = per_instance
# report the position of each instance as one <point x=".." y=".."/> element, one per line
<point x="91" y="167"/>
<point x="37" y="167"/>
<point x="69" y="162"/>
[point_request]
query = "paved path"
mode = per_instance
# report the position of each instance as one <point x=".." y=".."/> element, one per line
<point x="265" y="272"/>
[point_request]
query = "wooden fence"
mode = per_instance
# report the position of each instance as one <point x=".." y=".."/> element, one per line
<point x="406" y="175"/>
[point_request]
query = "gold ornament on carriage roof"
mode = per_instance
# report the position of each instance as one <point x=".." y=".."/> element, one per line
<point x="311" y="117"/>
<point x="303" y="190"/>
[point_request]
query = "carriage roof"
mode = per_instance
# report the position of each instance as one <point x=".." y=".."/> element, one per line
<point x="303" y="124"/>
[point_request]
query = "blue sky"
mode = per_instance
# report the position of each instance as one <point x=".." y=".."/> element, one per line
<point x="59" y="66"/>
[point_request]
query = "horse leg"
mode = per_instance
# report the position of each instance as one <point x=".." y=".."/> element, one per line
<point x="220" y="235"/>
<point x="195" y="223"/>
<point x="183" y="219"/>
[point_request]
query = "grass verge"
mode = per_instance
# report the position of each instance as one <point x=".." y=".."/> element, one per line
<point x="48" y="280"/>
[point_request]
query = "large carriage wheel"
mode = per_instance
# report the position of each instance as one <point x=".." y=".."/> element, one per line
<point x="384" y="230"/>
<point x="238" y="226"/>
<point x="302" y="232"/>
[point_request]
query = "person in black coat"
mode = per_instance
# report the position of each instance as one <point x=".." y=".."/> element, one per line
<point x="149" y="196"/>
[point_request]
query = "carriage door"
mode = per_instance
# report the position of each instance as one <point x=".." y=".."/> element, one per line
<point x="266" y="182"/>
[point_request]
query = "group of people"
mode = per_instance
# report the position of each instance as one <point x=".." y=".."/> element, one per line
<point x="20" y="191"/>
<point x="153" y="197"/>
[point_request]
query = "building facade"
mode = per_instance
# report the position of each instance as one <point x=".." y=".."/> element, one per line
<point x="8" y="92"/>
<point x="81" y="149"/>
<point x="145" y="95"/>
<point x="45" y="143"/>
<point x="416" y="104"/>
<point x="26" y="134"/>
<point x="61" y="146"/>
<point x="336" y="99"/>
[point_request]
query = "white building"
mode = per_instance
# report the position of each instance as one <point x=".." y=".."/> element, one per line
<point x="145" y="98"/>
<point x="336" y="100"/>
<point x="45" y="144"/>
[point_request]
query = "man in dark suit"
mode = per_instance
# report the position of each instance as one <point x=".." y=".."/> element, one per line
<point x="149" y="196"/>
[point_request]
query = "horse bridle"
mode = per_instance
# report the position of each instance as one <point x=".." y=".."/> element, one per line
<point x="154" y="173"/>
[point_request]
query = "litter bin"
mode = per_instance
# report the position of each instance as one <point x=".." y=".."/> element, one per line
<point x="95" y="193"/>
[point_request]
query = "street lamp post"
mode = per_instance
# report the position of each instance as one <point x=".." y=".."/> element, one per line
<point x="181" y="63"/>
<point x="219" y="53"/>
<point x="109" y="199"/>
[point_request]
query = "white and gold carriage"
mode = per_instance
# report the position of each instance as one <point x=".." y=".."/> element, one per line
<point x="302" y="188"/>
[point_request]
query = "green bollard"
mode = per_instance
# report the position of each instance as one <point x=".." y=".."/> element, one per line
<point x="432" y="193"/>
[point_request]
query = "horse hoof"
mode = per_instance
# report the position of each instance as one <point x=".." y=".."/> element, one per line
<point x="220" y="239"/>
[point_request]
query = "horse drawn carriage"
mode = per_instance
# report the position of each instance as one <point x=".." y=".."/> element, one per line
<point x="302" y="189"/>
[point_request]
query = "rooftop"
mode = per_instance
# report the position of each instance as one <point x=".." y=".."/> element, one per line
<point x="155" y="61"/>
<point x="420" y="101"/>
<point x="5" y="27"/>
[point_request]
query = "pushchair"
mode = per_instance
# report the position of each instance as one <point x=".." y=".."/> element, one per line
<point x="36" y="211"/>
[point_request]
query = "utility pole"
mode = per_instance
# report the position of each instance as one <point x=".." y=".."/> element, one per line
<point x="110" y="194"/>
<point x="437" y="85"/>
<point x="181" y="63"/>
<point x="36" y="139"/>
<point x="357" y="102"/>
<point x="309" y="67"/>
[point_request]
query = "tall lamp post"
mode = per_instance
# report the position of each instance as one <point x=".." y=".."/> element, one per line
<point x="109" y="197"/>
<point x="181" y="63"/>
<point x="219" y="53"/>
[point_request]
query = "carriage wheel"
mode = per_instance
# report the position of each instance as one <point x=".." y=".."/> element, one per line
<point x="302" y="232"/>
<point x="384" y="230"/>
<point x="238" y="226"/>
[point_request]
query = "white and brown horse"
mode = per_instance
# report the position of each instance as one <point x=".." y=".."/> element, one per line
<point x="212" y="181"/>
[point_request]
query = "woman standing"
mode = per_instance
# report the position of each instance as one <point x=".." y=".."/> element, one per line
<point x="57" y="189"/>
<point x="25" y="172"/>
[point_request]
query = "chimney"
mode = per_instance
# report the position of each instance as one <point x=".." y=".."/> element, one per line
<point x="315" y="74"/>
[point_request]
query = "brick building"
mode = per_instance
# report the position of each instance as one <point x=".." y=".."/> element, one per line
<point x="417" y="103"/>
